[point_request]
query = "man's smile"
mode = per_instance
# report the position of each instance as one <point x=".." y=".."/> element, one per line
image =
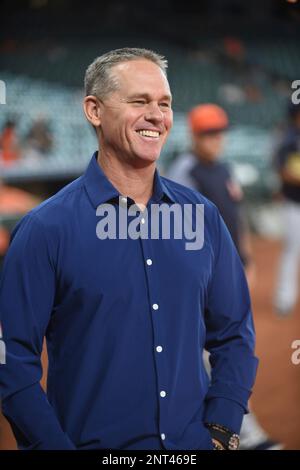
<point x="148" y="134"/>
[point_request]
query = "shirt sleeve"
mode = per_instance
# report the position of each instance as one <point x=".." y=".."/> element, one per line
<point x="230" y="335"/>
<point x="27" y="292"/>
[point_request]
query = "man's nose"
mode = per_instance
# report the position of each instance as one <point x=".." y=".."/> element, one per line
<point x="154" y="113"/>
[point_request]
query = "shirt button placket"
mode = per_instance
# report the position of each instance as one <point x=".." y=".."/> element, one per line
<point x="156" y="319"/>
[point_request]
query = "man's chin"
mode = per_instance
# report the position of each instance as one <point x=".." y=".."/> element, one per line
<point x="143" y="160"/>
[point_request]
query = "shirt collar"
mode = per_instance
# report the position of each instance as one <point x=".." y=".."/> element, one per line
<point x="100" y="189"/>
<point x="160" y="189"/>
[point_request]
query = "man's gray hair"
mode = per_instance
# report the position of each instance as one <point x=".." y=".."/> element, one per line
<point x="99" y="81"/>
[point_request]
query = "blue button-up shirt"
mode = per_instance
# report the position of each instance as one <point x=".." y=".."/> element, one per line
<point x="126" y="322"/>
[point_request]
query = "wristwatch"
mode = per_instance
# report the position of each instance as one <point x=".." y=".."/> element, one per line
<point x="228" y="439"/>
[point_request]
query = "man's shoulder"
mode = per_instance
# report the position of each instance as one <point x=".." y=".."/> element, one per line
<point x="185" y="195"/>
<point x="60" y="205"/>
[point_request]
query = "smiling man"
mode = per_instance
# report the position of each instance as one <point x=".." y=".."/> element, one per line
<point x="131" y="111"/>
<point x="125" y="320"/>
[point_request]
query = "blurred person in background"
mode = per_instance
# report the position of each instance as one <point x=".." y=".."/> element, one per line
<point x="287" y="160"/>
<point x="38" y="143"/>
<point x="9" y="144"/>
<point x="202" y="169"/>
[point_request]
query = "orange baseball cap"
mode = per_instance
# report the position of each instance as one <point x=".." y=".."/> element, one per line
<point x="207" y="118"/>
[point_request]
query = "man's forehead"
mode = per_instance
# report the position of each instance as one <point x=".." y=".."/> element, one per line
<point x="134" y="65"/>
<point x="141" y="77"/>
<point x="135" y="70"/>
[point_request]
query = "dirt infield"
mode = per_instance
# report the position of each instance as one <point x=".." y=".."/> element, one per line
<point x="277" y="391"/>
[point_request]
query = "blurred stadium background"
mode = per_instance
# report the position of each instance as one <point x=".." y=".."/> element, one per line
<point x="243" y="56"/>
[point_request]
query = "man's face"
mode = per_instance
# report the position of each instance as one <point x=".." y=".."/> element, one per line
<point x="136" y="119"/>
<point x="209" y="146"/>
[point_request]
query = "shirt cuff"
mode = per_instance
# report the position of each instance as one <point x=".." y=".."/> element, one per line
<point x="225" y="412"/>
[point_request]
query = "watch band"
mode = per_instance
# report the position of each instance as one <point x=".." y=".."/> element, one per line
<point x="217" y="445"/>
<point x="228" y="439"/>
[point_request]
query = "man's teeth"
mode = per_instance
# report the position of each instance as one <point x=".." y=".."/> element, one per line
<point x="148" y="133"/>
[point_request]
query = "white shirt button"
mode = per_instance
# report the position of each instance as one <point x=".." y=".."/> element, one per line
<point x="149" y="261"/>
<point x="155" y="306"/>
<point x="163" y="436"/>
<point x="124" y="199"/>
<point x="159" y="348"/>
<point x="163" y="393"/>
<point x="142" y="220"/>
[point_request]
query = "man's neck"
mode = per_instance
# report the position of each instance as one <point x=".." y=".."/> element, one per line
<point x="134" y="182"/>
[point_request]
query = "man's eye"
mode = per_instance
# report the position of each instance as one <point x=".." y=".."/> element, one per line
<point x="139" y="102"/>
<point x="165" y="105"/>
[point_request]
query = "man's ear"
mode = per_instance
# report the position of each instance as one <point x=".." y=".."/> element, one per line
<point x="91" y="107"/>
